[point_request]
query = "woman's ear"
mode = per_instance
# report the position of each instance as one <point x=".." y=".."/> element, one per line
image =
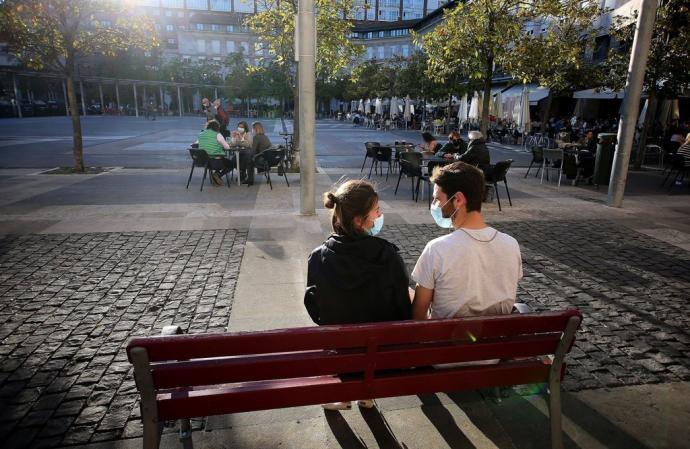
<point x="359" y="222"/>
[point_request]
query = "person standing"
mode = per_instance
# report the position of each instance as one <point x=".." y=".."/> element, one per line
<point x="472" y="271"/>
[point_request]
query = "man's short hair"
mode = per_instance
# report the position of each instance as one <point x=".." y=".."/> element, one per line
<point x="461" y="177"/>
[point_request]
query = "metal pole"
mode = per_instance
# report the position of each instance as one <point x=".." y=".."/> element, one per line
<point x="136" y="100"/>
<point x="117" y="96"/>
<point x="100" y="94"/>
<point x="83" y="101"/>
<point x="64" y="94"/>
<point x="162" y="103"/>
<point x="631" y="101"/>
<point x="307" y="97"/>
<point x="179" y="100"/>
<point x="16" y="96"/>
<point x="215" y="93"/>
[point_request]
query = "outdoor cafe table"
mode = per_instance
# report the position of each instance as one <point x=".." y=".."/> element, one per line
<point x="237" y="149"/>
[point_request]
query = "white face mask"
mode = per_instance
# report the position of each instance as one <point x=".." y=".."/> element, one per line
<point x="240" y="129"/>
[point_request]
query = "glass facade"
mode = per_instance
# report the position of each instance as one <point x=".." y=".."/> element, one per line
<point x="220" y="5"/>
<point x="244" y="5"/>
<point x="197" y="4"/>
<point x="172" y="3"/>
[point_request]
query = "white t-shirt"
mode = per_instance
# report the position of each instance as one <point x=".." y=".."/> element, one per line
<point x="469" y="269"/>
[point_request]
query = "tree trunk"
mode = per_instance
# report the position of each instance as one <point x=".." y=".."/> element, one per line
<point x="648" y="120"/>
<point x="78" y="149"/>
<point x="547" y="112"/>
<point x="487" y="97"/>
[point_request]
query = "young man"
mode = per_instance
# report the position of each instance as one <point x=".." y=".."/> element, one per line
<point x="454" y="146"/>
<point x="475" y="269"/>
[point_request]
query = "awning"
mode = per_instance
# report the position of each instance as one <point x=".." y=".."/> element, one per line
<point x="603" y="94"/>
<point x="536" y="93"/>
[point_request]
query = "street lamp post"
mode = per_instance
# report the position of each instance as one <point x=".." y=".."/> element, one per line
<point x="631" y="101"/>
<point x="306" y="51"/>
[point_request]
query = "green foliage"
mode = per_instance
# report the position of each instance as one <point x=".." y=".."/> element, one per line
<point x="555" y="59"/>
<point x="275" y="27"/>
<point x="54" y="34"/>
<point x="667" y="66"/>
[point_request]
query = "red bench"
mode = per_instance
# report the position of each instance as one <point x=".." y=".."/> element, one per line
<point x="186" y="376"/>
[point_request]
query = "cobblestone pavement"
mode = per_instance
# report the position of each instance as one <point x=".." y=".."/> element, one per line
<point x="633" y="292"/>
<point x="68" y="305"/>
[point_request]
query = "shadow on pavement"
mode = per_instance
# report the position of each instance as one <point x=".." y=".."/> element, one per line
<point x="342" y="431"/>
<point x="444" y="422"/>
<point x="380" y="428"/>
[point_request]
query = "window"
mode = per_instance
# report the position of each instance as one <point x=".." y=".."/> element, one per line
<point x="220" y="5"/>
<point x="215" y="27"/>
<point x="197" y="4"/>
<point x="406" y="50"/>
<point x="230" y="28"/>
<point x="245" y="48"/>
<point x="381" y="52"/>
<point x="168" y="13"/>
<point x="106" y="23"/>
<point x="230" y="46"/>
<point x="169" y="27"/>
<point x="199" y="27"/>
<point x="216" y="58"/>
<point x="244" y="5"/>
<point x="395" y="50"/>
<point x="200" y="46"/>
<point x="172" y="3"/>
<point x="215" y="47"/>
<point x="171" y="43"/>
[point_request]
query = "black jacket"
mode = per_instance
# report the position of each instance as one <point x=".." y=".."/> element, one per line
<point x="477" y="154"/>
<point x="356" y="280"/>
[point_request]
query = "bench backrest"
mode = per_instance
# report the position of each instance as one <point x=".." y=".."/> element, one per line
<point x="364" y="351"/>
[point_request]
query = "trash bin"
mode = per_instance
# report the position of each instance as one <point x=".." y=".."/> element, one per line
<point x="604" y="158"/>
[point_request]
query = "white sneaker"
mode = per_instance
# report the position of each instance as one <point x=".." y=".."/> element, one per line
<point x="337" y="406"/>
<point x="366" y="403"/>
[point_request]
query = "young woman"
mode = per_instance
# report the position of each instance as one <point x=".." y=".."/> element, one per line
<point x="243" y="137"/>
<point x="430" y="145"/>
<point x="356" y="277"/>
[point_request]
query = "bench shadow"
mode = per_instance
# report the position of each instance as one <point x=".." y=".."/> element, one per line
<point x="341" y="430"/>
<point x="379" y="427"/>
<point x="441" y="418"/>
<point x="528" y="428"/>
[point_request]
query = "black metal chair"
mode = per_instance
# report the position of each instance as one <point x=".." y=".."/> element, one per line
<point x="500" y="170"/>
<point x="199" y="159"/>
<point x="537" y="158"/>
<point x="677" y="165"/>
<point x="218" y="165"/>
<point x="371" y="152"/>
<point x="272" y="157"/>
<point x="411" y="166"/>
<point x="383" y="154"/>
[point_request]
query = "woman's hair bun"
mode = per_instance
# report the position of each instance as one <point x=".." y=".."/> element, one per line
<point x="330" y="200"/>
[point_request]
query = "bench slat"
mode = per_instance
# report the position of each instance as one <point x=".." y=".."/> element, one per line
<point x="268" y="395"/>
<point x="318" y="363"/>
<point x="182" y="347"/>
<point x="281" y="366"/>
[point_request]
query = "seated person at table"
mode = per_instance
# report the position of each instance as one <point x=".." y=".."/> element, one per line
<point x="355" y="277"/>
<point x="454" y="146"/>
<point x="242" y="137"/>
<point x="260" y="143"/>
<point x="472" y="271"/>
<point x="430" y="145"/>
<point x="214" y="144"/>
<point x="477" y="153"/>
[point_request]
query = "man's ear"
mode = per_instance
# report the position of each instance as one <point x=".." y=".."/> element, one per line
<point x="460" y="200"/>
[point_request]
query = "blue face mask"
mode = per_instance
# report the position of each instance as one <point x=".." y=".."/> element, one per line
<point x="378" y="224"/>
<point x="437" y="214"/>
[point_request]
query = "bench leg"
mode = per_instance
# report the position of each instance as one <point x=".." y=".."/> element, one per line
<point x="152" y="434"/>
<point x="555" y="414"/>
<point x="185" y="429"/>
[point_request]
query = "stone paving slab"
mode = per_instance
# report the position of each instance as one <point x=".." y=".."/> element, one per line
<point x="69" y="304"/>
<point x="631" y="289"/>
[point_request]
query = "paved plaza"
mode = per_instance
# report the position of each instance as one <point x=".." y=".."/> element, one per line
<point x="87" y="262"/>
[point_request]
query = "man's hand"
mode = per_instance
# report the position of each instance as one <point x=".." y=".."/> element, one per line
<point x="423" y="298"/>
